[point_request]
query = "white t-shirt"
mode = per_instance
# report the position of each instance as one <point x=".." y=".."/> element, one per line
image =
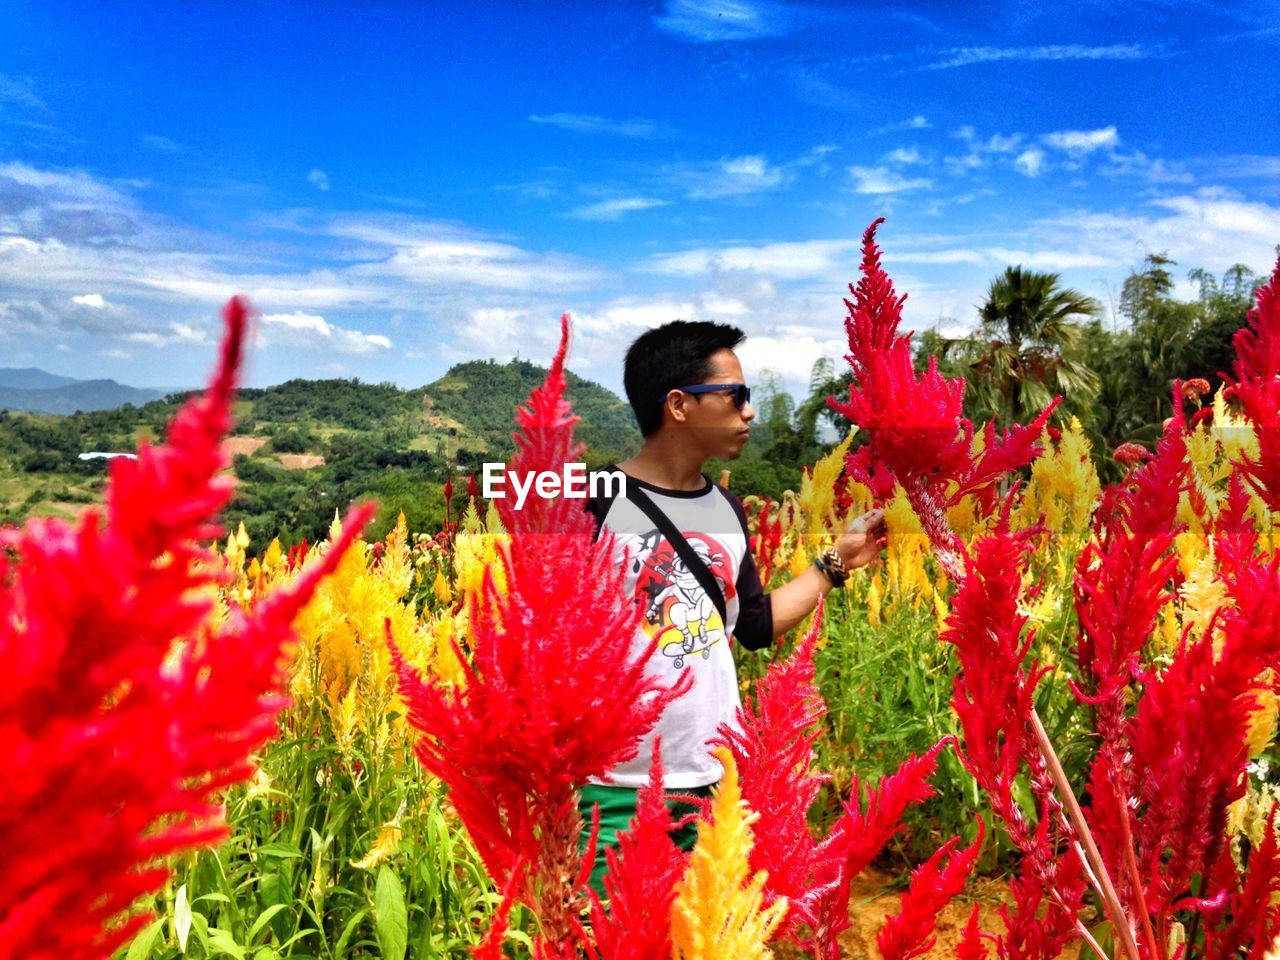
<point x="691" y="636"/>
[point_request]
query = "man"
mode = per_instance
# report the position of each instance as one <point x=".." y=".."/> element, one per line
<point x="691" y="402"/>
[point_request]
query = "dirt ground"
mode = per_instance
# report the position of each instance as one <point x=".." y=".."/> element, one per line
<point x="301" y="461"/>
<point x="242" y="445"/>
<point x="873" y="898"/>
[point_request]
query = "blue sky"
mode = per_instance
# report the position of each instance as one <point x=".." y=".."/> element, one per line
<point x="402" y="186"/>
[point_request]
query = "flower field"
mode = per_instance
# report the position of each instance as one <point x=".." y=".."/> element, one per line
<point x="1056" y="688"/>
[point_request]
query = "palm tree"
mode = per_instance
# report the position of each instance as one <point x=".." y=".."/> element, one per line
<point x="1028" y="347"/>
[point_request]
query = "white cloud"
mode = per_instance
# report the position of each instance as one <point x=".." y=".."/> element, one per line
<point x="917" y="122"/>
<point x="1242" y="165"/>
<point x="730" y="177"/>
<point x="319" y="179"/>
<point x="1211" y="228"/>
<point x="788" y="261"/>
<point x="95" y="300"/>
<point x="790" y="356"/>
<point x="965" y="56"/>
<point x="156" y="142"/>
<point x="19" y="90"/>
<point x="709" y="21"/>
<point x="934" y="256"/>
<point x="1030" y="162"/>
<point x="590" y="123"/>
<point x="177" y="333"/>
<point x="1083" y="142"/>
<point x="1048" y="259"/>
<point x="878" y="180"/>
<point x="311" y="331"/>
<point x="904" y="155"/>
<point x="615" y="209"/>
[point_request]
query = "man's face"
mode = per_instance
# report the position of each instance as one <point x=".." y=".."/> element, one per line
<point x="719" y="426"/>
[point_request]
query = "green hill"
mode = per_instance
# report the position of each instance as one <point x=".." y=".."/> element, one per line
<point x="376" y="440"/>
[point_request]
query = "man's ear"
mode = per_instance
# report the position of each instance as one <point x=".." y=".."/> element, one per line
<point x="675" y="405"/>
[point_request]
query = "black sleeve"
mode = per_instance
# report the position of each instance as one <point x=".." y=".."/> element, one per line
<point x="755" y="607"/>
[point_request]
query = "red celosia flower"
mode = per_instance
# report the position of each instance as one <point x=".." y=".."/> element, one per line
<point x="772" y="745"/>
<point x="909" y="932"/>
<point x="993" y="701"/>
<point x="1257" y="387"/>
<point x="640" y="881"/>
<point x="534" y="719"/>
<point x="1202" y="702"/>
<point x="473" y="491"/>
<point x="767" y="538"/>
<point x="1195" y="388"/>
<point x="915" y="426"/>
<point x="1130" y="453"/>
<point x="1203" y="415"/>
<point x="121" y="716"/>
<point x="448" y="489"/>
<point x="971" y="946"/>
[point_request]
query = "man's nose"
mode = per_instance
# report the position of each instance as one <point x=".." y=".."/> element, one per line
<point x="748" y="412"/>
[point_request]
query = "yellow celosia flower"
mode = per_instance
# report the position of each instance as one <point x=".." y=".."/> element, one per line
<point x="273" y="560"/>
<point x="799" y="561"/>
<point x="718" y="913"/>
<point x="343" y="716"/>
<point x="874" y="597"/>
<point x="441" y="588"/>
<point x="344" y="654"/>
<point x="1064" y="485"/>
<point x="907" y="550"/>
<point x="387" y="842"/>
<point x="1201" y="594"/>
<point x="475" y="550"/>
<point x="818" y="492"/>
<point x="940" y="611"/>
<point x="1168" y="628"/>
<point x="1262" y="721"/>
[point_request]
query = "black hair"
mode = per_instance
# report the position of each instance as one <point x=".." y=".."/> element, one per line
<point x="673" y="355"/>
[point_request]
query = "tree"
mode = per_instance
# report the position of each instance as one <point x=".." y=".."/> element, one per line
<point x="1029" y="344"/>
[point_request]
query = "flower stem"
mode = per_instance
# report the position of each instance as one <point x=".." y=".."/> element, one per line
<point x="1155" y="946"/>
<point x="1119" y="922"/>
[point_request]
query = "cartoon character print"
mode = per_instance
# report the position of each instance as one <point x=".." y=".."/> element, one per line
<point x="676" y="608"/>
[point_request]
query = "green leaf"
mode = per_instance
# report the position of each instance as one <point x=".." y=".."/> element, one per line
<point x="391" y="920"/>
<point x="285" y="851"/>
<point x="340" y="948"/>
<point x="182" y="917"/>
<point x="140" y="949"/>
<point x="222" y="942"/>
<point x="263" y="919"/>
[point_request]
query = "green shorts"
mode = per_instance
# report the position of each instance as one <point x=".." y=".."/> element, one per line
<point x="617" y="809"/>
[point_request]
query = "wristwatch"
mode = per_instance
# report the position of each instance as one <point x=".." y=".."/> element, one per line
<point x="832" y="566"/>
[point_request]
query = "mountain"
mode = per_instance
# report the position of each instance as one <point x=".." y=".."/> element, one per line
<point x="358" y="440"/>
<point x="482" y="395"/>
<point x="69" y="397"/>
<point x="29" y="378"/>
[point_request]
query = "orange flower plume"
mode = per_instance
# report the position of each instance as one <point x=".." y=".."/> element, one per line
<point x="122" y="714"/>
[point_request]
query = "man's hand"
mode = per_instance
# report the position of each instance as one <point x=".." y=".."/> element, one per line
<point x="863" y="539"/>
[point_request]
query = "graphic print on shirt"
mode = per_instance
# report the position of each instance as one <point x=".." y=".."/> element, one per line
<point x="676" y="608"/>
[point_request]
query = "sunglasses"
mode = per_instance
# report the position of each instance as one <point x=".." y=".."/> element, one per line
<point x="741" y="392"/>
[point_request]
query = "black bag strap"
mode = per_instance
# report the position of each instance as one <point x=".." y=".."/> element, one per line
<point x="682" y="547"/>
